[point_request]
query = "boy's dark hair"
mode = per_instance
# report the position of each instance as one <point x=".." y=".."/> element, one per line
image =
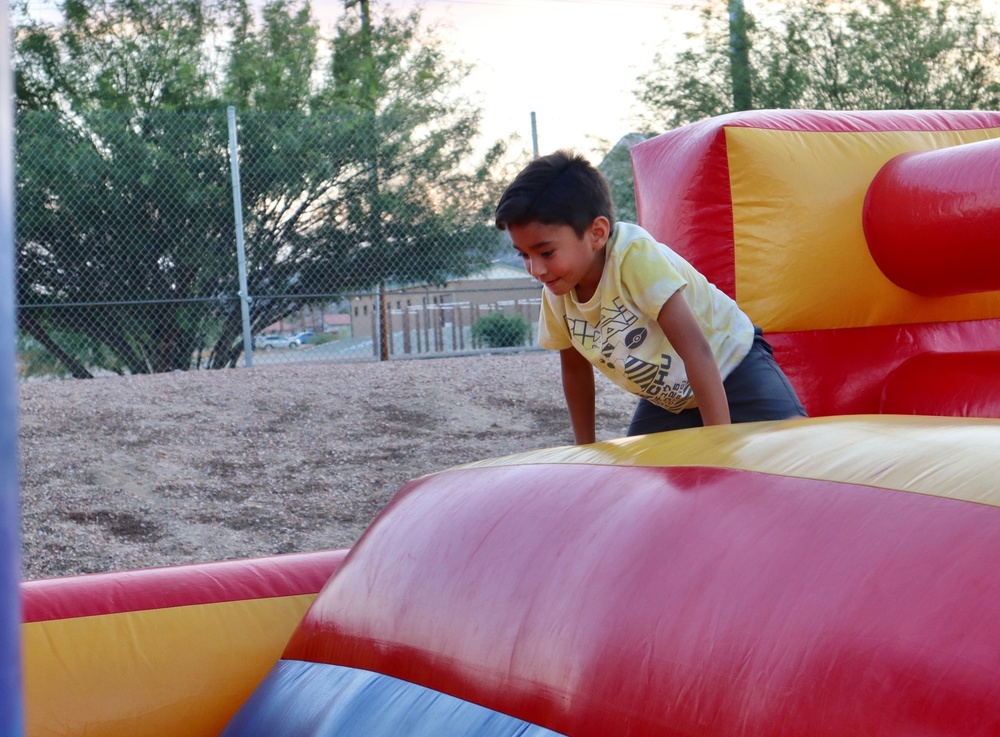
<point x="559" y="189"/>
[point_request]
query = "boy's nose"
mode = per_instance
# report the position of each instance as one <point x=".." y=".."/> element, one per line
<point x="535" y="267"/>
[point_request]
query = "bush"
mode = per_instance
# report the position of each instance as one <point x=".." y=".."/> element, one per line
<point x="497" y="330"/>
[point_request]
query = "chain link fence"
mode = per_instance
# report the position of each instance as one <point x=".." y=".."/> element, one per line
<point x="162" y="241"/>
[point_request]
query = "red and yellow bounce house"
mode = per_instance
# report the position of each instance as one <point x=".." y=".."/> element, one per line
<point x="827" y="576"/>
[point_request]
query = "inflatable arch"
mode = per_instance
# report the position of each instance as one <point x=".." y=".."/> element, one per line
<point x="820" y="576"/>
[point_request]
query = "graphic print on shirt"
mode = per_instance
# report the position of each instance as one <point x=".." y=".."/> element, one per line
<point x="652" y="379"/>
<point x="636" y="337"/>
<point x="615" y="319"/>
<point x="581" y="331"/>
<point x="619" y="336"/>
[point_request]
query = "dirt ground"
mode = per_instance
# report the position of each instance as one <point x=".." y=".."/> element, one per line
<point x="133" y="472"/>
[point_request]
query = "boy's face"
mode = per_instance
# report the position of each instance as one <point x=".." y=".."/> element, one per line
<point x="559" y="258"/>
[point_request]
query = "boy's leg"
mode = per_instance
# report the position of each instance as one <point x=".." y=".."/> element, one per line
<point x="648" y="418"/>
<point x="758" y="389"/>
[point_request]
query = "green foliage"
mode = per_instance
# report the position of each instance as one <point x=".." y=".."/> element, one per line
<point x="122" y="210"/>
<point x="498" y="330"/>
<point x="270" y="69"/>
<point x="352" y="176"/>
<point x="860" y="55"/>
<point x="617" y="169"/>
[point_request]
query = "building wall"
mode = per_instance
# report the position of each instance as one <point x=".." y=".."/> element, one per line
<point x="438" y="319"/>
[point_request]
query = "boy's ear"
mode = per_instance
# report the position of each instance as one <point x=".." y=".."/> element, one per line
<point x="600" y="230"/>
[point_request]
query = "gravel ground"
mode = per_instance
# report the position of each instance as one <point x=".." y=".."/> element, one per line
<point x="132" y="472"/>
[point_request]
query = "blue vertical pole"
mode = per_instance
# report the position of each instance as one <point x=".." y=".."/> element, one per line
<point x="11" y="703"/>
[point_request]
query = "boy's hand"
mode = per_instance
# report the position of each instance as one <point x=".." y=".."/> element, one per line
<point x="681" y="328"/>
<point x="578" y="388"/>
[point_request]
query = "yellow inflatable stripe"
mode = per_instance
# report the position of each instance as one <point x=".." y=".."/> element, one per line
<point x="940" y="456"/>
<point x="180" y="671"/>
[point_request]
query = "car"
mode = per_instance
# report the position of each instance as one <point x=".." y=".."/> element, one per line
<point x="305" y="337"/>
<point x="267" y="342"/>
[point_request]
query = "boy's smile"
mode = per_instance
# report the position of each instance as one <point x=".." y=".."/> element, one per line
<point x="559" y="258"/>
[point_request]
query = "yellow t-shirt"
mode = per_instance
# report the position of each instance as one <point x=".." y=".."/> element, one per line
<point x="616" y="329"/>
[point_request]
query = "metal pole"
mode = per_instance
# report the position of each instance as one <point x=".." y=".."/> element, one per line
<point x="534" y="134"/>
<point x="383" y="324"/>
<point x="739" y="56"/>
<point x="11" y="705"/>
<point x="241" y="256"/>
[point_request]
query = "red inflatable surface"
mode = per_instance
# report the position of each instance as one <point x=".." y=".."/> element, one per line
<point x="932" y="219"/>
<point x="598" y="601"/>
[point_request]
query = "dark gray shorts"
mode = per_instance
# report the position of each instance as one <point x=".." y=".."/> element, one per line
<point x="757" y="389"/>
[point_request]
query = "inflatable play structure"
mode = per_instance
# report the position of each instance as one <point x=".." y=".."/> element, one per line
<point x="828" y="576"/>
<point x="867" y="245"/>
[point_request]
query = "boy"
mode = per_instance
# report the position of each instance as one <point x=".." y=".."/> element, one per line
<point x="641" y="314"/>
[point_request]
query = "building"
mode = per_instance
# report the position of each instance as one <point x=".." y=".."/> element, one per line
<point x="433" y="319"/>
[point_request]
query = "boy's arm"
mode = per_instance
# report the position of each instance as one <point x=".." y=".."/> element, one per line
<point x="578" y="388"/>
<point x="681" y="328"/>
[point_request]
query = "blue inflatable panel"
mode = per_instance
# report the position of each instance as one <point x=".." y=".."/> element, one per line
<point x="300" y="699"/>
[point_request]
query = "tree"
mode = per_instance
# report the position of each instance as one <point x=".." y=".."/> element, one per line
<point x="865" y="54"/>
<point x="391" y="193"/>
<point x="616" y="166"/>
<point x="345" y="185"/>
<point x="116" y="202"/>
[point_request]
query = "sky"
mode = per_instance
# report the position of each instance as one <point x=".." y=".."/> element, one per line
<point x="571" y="62"/>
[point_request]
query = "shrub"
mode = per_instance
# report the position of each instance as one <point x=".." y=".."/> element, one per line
<point x="498" y="330"/>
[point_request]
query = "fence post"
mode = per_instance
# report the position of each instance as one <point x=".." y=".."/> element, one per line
<point x="438" y="328"/>
<point x="427" y="327"/>
<point x="407" y="348"/>
<point x="241" y="256"/>
<point x="390" y="346"/>
<point x="384" y="348"/>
